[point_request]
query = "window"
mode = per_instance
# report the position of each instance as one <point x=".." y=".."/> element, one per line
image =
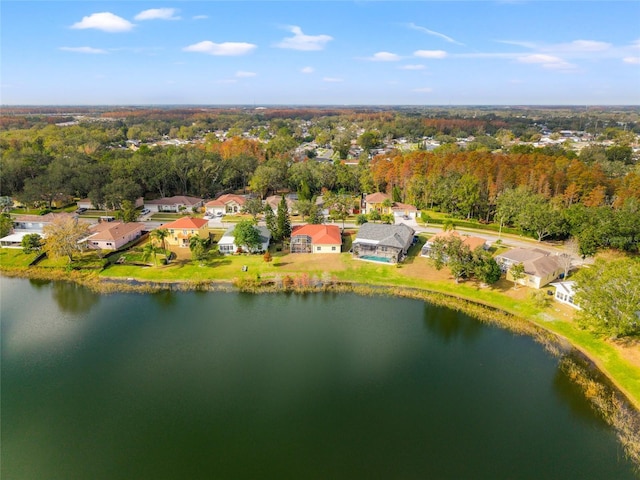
<point x="318" y="249"/>
<point x="333" y="249"/>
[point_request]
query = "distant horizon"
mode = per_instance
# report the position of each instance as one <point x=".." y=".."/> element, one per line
<point x="341" y="53"/>
<point x="317" y="105"/>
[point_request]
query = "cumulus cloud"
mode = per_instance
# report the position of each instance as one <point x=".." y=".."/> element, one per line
<point x="221" y="49"/>
<point x="331" y="79"/>
<point x="89" y="50"/>
<point x="384" y="57"/>
<point x="412" y="67"/>
<point x="303" y="42"/>
<point x="307" y="70"/>
<point x="446" y="38"/>
<point x="423" y="90"/>
<point x="546" y="61"/>
<point x="242" y="74"/>
<point x="157" y="14"/>
<point x="632" y="60"/>
<point x="105" y="21"/>
<point x="430" y="53"/>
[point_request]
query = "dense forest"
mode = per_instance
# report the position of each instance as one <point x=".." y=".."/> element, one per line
<point x="496" y="175"/>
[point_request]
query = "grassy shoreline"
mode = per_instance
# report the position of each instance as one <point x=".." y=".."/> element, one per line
<point x="610" y="382"/>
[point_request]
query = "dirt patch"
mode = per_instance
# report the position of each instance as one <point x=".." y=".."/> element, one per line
<point x="323" y="262"/>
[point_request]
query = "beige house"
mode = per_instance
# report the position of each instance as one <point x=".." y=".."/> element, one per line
<point x="540" y="266"/>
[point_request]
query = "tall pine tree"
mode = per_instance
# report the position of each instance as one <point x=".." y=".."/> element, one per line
<point x="270" y="220"/>
<point x="283" y="221"/>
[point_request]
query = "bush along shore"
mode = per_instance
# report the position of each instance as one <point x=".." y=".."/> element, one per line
<point x="603" y="395"/>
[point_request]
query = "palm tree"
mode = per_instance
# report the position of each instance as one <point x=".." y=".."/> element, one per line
<point x="160" y="234"/>
<point x="150" y="250"/>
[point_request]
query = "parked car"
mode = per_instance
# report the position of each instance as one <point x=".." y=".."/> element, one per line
<point x="145" y="211"/>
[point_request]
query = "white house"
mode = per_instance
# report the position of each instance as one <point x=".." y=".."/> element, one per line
<point x="565" y="293"/>
<point x="175" y="204"/>
<point x="227" y="246"/>
<point x="225" y="204"/>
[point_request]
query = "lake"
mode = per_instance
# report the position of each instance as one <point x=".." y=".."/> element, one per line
<point x="227" y="385"/>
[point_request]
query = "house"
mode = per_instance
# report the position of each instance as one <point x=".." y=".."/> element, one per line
<point x="383" y="204"/>
<point x="316" y="239"/>
<point x="274" y="202"/>
<point x="86" y="204"/>
<point x="225" y="204"/>
<point x="565" y="293"/>
<point x="181" y="230"/>
<point x="468" y="240"/>
<point x="383" y="243"/>
<point x="36" y="223"/>
<point x="403" y="211"/>
<point x="27" y="224"/>
<point x="226" y="245"/>
<point x="113" y="235"/>
<point x="375" y="201"/>
<point x="540" y="267"/>
<point x="175" y="204"/>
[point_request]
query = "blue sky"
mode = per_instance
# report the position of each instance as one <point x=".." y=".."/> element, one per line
<point x="313" y="53"/>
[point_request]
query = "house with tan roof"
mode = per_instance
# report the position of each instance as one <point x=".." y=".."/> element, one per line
<point x="468" y="240"/>
<point x="384" y="204"/>
<point x="181" y="230"/>
<point x="228" y="203"/>
<point x="540" y="266"/>
<point x="274" y="202"/>
<point x="36" y="223"/>
<point x="113" y="235"/>
<point x="176" y="204"/>
<point x="316" y="239"/>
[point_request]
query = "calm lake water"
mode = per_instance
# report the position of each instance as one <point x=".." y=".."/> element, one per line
<point x="224" y="385"/>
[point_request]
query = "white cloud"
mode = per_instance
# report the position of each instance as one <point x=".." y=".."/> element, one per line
<point x="105" y="21"/>
<point x="430" y="53"/>
<point x="303" y="42"/>
<point x="384" y="57"/>
<point x="547" y="61"/>
<point x="581" y="46"/>
<point x="90" y="50"/>
<point x="200" y="17"/>
<point x="221" y="49"/>
<point x="242" y="74"/>
<point x="157" y="14"/>
<point x="307" y="70"/>
<point x="423" y="90"/>
<point x="412" y="67"/>
<point x="331" y="79"/>
<point x="413" y="26"/>
<point x="632" y="60"/>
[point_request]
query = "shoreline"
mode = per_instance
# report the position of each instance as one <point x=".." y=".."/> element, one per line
<point x="605" y="394"/>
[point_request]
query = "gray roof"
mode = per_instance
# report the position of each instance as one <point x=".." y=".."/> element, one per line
<point x="265" y="233"/>
<point x="398" y="236"/>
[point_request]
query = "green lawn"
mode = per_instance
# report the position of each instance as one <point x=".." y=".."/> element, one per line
<point x="15" y="258"/>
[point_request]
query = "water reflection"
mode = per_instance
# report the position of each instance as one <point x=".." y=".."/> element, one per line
<point x="165" y="298"/>
<point x="448" y="324"/>
<point x="37" y="283"/>
<point x="571" y="395"/>
<point x="73" y="298"/>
